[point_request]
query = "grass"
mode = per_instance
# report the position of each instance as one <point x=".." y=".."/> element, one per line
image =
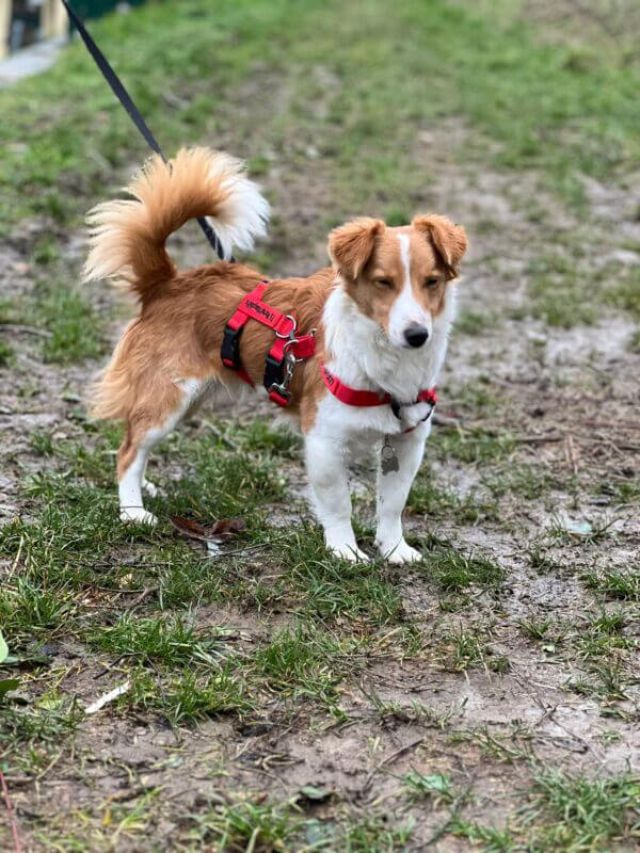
<point x="6" y="354"/>
<point x="475" y="323"/>
<point x="428" y="498"/>
<point x="612" y="583"/>
<point x="186" y="698"/>
<point x="248" y="826"/>
<point x="558" y="294"/>
<point x="491" y="839"/>
<point x="453" y="573"/>
<point x="625" y="294"/>
<point x="165" y="641"/>
<point x="306" y="662"/>
<point x="375" y="834"/>
<point x="420" y="786"/>
<point x="476" y="445"/>
<point x="576" y="119"/>
<point x="582" y="814"/>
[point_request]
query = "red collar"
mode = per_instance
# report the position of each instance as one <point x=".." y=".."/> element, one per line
<point x="358" y="397"/>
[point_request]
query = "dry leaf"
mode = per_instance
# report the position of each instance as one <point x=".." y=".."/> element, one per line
<point x="211" y="534"/>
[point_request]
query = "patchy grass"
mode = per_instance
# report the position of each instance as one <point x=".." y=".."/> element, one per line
<point x="480" y="66"/>
<point x="6" y="354"/>
<point x="616" y="583"/>
<point x="475" y="323"/>
<point x="626" y="293"/>
<point x="574" y="813"/>
<point x="420" y="786"/>
<point x="165" y="641"/>
<point x="471" y="446"/>
<point x="185" y="698"/>
<point x="557" y="292"/>
<point x="428" y="498"/>
<point x="491" y="839"/>
<point x="267" y="652"/>
<point x="76" y="330"/>
<point x="374" y="833"/>
<point x="452" y="571"/>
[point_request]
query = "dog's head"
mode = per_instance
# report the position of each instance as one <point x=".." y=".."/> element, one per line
<point x="399" y="277"/>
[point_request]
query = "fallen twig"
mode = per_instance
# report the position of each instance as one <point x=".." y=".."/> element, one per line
<point x="105" y="699"/>
<point x="17" y="844"/>
<point x="537" y="439"/>
<point x="453" y="813"/>
<point x="571" y="453"/>
<point x="220" y="435"/>
<point x="27" y="330"/>
<point x="445" y="420"/>
<point x="389" y="759"/>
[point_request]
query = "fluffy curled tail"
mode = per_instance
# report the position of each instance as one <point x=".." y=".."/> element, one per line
<point x="127" y="237"/>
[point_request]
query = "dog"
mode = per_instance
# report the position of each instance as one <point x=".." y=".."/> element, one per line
<point x="380" y="316"/>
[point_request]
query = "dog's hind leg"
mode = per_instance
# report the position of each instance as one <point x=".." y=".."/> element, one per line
<point x="148" y="424"/>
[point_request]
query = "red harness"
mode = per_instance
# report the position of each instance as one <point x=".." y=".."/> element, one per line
<point x="286" y="351"/>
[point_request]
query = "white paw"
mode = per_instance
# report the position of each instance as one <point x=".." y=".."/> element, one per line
<point x="401" y="553"/>
<point x="348" y="552"/>
<point x="137" y="515"/>
<point x="150" y="489"/>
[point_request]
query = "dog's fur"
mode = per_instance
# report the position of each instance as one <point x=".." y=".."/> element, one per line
<point x="382" y="282"/>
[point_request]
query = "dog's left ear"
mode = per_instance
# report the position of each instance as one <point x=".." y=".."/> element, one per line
<point x="351" y="245"/>
<point x="449" y="240"/>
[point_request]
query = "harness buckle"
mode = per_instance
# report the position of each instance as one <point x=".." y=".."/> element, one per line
<point x="230" y="349"/>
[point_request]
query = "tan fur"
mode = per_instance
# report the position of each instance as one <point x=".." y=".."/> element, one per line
<point x="449" y="240"/>
<point x="127" y="237"/>
<point x="367" y="256"/>
<point x="179" y="334"/>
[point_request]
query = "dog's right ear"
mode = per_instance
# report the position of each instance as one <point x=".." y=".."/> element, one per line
<point x="351" y="245"/>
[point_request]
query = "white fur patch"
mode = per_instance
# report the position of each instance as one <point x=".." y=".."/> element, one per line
<point x="244" y="214"/>
<point x="406" y="310"/>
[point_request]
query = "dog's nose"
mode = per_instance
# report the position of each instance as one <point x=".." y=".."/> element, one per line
<point x="415" y="335"/>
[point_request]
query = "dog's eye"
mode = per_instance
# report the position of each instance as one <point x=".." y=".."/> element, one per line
<point x="431" y="281"/>
<point x="384" y="283"/>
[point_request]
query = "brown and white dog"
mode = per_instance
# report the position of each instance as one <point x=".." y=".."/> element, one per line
<point x="382" y="312"/>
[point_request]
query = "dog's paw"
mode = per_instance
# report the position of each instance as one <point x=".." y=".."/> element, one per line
<point x="150" y="489"/>
<point x="349" y="552"/>
<point x="401" y="553"/>
<point x="137" y="515"/>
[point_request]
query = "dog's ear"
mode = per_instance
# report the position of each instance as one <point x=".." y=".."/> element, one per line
<point x="351" y="245"/>
<point x="448" y="240"/>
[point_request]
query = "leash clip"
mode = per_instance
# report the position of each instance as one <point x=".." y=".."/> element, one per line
<point x="281" y="389"/>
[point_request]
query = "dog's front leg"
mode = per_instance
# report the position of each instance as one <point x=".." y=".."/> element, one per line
<point x="328" y="478"/>
<point x="405" y="451"/>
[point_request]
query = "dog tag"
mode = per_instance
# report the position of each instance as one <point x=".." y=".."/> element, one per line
<point x="389" y="458"/>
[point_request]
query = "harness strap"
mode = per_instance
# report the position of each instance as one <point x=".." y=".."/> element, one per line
<point x="285" y="351"/>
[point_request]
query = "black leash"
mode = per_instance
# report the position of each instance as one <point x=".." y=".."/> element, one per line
<point x="125" y="99"/>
